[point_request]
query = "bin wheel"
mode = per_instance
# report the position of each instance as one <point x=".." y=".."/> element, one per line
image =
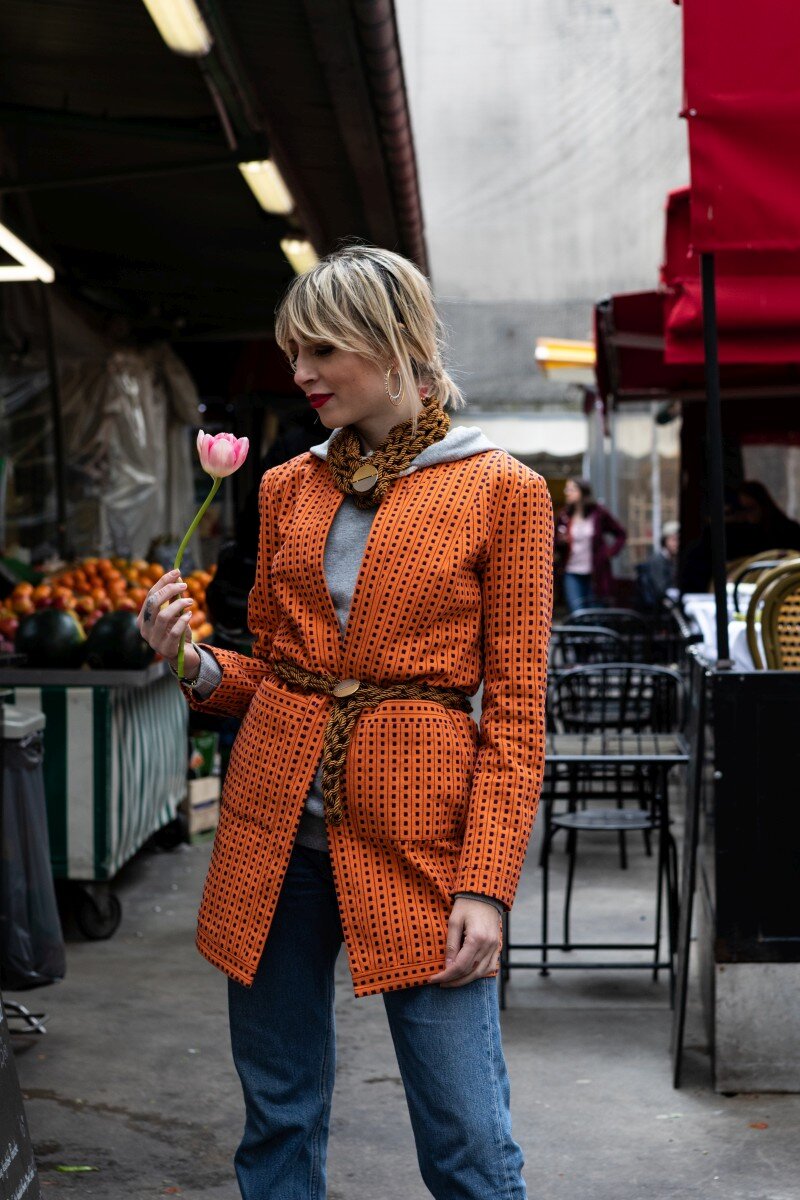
<point x="97" y="913"/>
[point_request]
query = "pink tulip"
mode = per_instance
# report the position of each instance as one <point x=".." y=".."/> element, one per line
<point x="221" y="453"/>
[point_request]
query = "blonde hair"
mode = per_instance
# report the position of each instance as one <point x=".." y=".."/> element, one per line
<point x="377" y="304"/>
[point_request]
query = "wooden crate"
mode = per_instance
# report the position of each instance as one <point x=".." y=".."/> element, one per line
<point x="201" y="804"/>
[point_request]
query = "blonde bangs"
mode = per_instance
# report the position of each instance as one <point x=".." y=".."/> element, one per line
<point x="374" y="303"/>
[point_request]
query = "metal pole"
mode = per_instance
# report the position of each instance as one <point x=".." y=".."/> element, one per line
<point x="716" y="489"/>
<point x="655" y="479"/>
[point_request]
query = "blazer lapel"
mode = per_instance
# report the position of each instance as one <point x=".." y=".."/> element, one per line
<point x="298" y="569"/>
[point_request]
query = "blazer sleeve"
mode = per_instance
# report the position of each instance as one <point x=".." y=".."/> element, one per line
<point x="241" y="674"/>
<point x="517" y="599"/>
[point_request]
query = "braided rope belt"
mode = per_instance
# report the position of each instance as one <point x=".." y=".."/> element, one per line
<point x="352" y="696"/>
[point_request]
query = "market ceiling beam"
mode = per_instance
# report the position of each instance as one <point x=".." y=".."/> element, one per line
<point x="204" y="131"/>
<point x="380" y="37"/>
<point x="242" y="117"/>
<point x="194" y="245"/>
<point x="148" y="171"/>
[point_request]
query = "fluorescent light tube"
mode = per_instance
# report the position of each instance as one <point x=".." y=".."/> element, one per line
<point x="181" y="26"/>
<point x="266" y="183"/>
<point x="26" y="260"/>
<point x="301" y="254"/>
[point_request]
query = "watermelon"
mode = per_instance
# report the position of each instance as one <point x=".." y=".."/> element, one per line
<point x="51" y="637"/>
<point x="115" y="644"/>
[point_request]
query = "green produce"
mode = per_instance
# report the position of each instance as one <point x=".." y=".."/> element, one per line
<point x="115" y="644"/>
<point x="51" y="637"/>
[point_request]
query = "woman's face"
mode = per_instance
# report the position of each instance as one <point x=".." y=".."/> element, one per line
<point x="350" y="387"/>
<point x="572" y="493"/>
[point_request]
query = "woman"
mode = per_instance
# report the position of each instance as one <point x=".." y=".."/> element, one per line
<point x="584" y="554"/>
<point x="400" y="562"/>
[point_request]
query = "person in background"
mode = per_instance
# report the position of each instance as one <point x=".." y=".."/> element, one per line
<point x="659" y="573"/>
<point x="584" y="553"/>
<point x="767" y="526"/>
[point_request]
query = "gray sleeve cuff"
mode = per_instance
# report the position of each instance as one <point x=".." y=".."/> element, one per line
<point x="498" y="904"/>
<point x="209" y="675"/>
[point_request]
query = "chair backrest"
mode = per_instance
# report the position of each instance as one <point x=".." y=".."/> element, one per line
<point x="756" y="570"/>
<point x="630" y="625"/>
<point x="619" y="696"/>
<point x="671" y="633"/>
<point x="780" y="623"/>
<point x="579" y="645"/>
<point x="742" y="566"/>
<point x="762" y="591"/>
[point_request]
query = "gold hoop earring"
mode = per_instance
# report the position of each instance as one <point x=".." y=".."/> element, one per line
<point x="396" y="397"/>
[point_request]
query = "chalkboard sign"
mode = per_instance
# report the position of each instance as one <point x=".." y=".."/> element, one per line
<point x="19" y="1179"/>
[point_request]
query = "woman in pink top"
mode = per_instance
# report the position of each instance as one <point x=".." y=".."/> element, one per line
<point x="584" y="552"/>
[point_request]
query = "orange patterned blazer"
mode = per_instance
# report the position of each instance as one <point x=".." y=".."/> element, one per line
<point x="455" y="586"/>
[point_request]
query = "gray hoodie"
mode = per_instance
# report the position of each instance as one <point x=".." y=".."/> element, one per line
<point x="344" y="550"/>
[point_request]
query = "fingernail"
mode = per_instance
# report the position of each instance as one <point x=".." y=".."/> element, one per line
<point x="183" y="584"/>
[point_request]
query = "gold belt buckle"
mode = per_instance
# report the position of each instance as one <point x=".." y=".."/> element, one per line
<point x="345" y="687"/>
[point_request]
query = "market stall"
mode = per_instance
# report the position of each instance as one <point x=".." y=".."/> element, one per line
<point x="719" y="343"/>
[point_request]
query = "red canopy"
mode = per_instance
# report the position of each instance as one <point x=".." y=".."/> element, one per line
<point x="631" y="365"/>
<point x="758" y="299"/>
<point x="742" y="101"/>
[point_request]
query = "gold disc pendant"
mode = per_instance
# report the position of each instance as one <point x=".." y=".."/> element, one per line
<point x="345" y="687"/>
<point x="364" y="478"/>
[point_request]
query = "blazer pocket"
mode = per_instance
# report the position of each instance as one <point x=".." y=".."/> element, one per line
<point x="409" y="770"/>
<point x="262" y="769"/>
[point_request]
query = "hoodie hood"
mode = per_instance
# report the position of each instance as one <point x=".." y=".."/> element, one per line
<point x="460" y="441"/>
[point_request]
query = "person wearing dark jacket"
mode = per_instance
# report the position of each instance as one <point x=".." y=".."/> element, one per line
<point x="583" y="527"/>
<point x="658" y="574"/>
<point x="768" y="527"/>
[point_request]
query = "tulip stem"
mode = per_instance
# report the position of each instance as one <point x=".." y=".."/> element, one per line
<point x="182" y="547"/>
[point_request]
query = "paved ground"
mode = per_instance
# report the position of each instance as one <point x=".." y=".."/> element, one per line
<point x="134" y="1077"/>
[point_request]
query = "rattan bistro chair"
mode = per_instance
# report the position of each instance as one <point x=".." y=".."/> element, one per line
<point x="630" y="698"/>
<point x="776" y="603"/>
<point x="780" y="622"/>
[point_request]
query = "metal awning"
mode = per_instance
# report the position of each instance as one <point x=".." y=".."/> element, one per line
<point x="115" y="161"/>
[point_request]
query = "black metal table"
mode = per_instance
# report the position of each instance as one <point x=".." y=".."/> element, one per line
<point x="657" y="751"/>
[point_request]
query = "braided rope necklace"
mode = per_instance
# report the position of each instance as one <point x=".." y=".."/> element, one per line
<point x="367" y="477"/>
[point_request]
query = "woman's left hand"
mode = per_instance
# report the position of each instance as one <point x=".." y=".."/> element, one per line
<point x="473" y="943"/>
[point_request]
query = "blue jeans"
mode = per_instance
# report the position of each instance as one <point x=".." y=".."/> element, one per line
<point x="448" y="1047"/>
<point x="578" y="591"/>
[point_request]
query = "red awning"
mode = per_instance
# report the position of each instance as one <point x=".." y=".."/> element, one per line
<point x="742" y="103"/>
<point x="631" y="366"/>
<point x="629" y="339"/>
<point x="758" y="299"/>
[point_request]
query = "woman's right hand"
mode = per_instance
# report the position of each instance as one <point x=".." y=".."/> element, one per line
<point x="164" y="616"/>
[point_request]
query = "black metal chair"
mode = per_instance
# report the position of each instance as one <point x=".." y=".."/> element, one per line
<point x="625" y="698"/>
<point x="671" y="634"/>
<point x="630" y="625"/>
<point x="580" y="645"/>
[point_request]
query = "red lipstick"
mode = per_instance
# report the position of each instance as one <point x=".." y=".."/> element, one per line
<point x="317" y="399"/>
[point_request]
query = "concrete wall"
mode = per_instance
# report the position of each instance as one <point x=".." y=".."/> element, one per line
<point x="547" y="137"/>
